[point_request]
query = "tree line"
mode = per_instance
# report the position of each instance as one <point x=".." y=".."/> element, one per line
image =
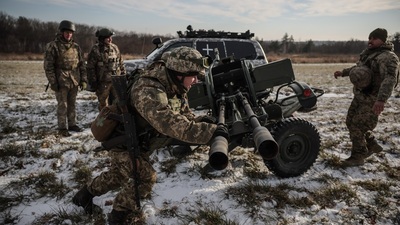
<point x="24" y="35"/>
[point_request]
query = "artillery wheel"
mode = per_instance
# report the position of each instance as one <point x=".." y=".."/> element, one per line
<point x="299" y="143"/>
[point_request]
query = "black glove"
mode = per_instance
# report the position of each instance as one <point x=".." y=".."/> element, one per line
<point x="222" y="130"/>
<point x="54" y="87"/>
<point x="208" y="119"/>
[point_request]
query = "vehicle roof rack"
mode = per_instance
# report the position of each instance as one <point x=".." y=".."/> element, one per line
<point x="190" y="33"/>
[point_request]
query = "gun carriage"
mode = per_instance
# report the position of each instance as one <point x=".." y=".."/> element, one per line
<point x="249" y="101"/>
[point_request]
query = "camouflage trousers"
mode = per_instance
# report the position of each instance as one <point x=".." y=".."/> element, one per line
<point x="66" y="103"/>
<point x="120" y="175"/>
<point x="361" y="121"/>
<point x="103" y="92"/>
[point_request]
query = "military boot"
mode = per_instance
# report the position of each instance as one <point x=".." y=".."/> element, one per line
<point x="357" y="157"/>
<point x="373" y="147"/>
<point x="75" y="128"/>
<point x="85" y="199"/>
<point x="117" y="217"/>
<point x="64" y="132"/>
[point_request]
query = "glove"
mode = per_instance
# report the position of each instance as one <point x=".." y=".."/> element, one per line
<point x="83" y="86"/>
<point x="54" y="87"/>
<point x="222" y="130"/>
<point x="208" y="119"/>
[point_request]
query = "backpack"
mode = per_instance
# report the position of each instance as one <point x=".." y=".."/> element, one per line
<point x="110" y="116"/>
<point x="105" y="123"/>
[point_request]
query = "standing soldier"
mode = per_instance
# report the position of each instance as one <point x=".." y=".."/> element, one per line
<point x="65" y="69"/>
<point x="374" y="78"/>
<point x="103" y="61"/>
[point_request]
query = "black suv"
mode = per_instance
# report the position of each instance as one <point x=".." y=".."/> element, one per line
<point x="238" y="45"/>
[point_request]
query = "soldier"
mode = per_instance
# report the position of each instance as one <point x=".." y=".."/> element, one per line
<point x="374" y="78"/>
<point x="65" y="70"/>
<point x="103" y="61"/>
<point x="158" y="98"/>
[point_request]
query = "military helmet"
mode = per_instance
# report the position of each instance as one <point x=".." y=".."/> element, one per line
<point x="361" y="76"/>
<point x="104" y="33"/>
<point x="186" y="60"/>
<point x="66" y="25"/>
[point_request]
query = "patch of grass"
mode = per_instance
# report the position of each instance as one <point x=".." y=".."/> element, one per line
<point x="252" y="195"/>
<point x="328" y="196"/>
<point x="61" y="216"/>
<point x="168" y="211"/>
<point x="329" y="143"/>
<point x="325" y="178"/>
<point x="6" y="201"/>
<point x="53" y="155"/>
<point x="383" y="191"/>
<point x="253" y="169"/>
<point x="82" y="175"/>
<point x="331" y="159"/>
<point x="169" y="166"/>
<point x="392" y="172"/>
<point x="375" y="185"/>
<point x="11" y="150"/>
<point x="9" y="218"/>
<point x="8" y="129"/>
<point x="45" y="184"/>
<point x="40" y="134"/>
<point x="206" y="215"/>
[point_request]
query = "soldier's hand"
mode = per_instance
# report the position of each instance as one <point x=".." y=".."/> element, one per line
<point x="338" y="74"/>
<point x="378" y="107"/>
<point x="54" y="87"/>
<point x="83" y="86"/>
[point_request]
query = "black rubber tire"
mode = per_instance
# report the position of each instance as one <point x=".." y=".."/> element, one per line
<point x="299" y="143"/>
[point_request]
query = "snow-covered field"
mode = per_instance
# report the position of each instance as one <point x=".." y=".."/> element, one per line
<point x="369" y="194"/>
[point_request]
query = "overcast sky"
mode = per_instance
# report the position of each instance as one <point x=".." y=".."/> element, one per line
<point x="269" y="19"/>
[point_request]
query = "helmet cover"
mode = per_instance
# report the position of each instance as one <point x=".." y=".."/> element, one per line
<point x="186" y="60"/>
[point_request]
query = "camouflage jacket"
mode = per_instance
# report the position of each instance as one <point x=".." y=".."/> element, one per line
<point x="104" y="61"/>
<point x="154" y="96"/>
<point x="385" y="65"/>
<point x="64" y="64"/>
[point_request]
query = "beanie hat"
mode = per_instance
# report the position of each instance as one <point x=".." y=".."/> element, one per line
<point x="380" y="33"/>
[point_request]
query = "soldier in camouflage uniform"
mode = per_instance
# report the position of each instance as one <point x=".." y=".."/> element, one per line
<point x="103" y="61"/>
<point x="65" y="69"/>
<point x="369" y="100"/>
<point x="159" y="101"/>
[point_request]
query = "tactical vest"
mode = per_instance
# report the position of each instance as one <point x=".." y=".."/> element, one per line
<point x="110" y="61"/>
<point x="68" y="57"/>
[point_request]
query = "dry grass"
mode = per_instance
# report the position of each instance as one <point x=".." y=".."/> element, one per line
<point x="296" y="58"/>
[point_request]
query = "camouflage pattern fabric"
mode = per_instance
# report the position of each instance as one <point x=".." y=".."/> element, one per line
<point x="361" y="76"/>
<point x="120" y="175"/>
<point x="360" y="119"/>
<point x="65" y="69"/>
<point x="151" y="95"/>
<point x="103" y="91"/>
<point x="104" y="61"/>
<point x="185" y="60"/>
<point x="66" y="98"/>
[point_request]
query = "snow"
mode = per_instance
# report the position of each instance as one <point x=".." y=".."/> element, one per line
<point x="31" y="113"/>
